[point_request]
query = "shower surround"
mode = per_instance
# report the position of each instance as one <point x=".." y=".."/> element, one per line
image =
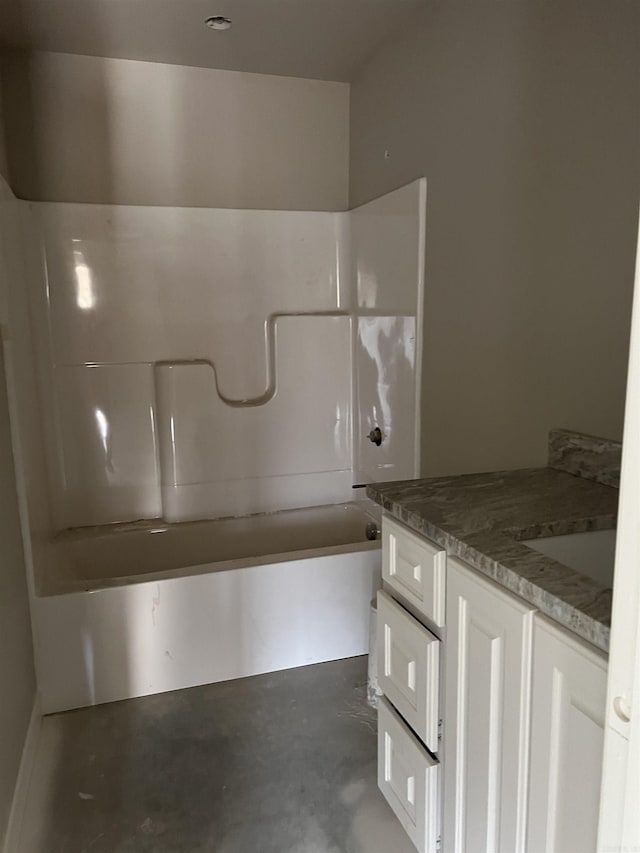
<point x="199" y="364"/>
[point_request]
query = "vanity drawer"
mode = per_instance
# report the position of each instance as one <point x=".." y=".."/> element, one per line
<point x="408" y="668"/>
<point x="415" y="568"/>
<point x="408" y="779"/>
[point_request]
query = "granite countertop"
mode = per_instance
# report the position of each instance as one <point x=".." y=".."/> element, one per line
<point x="481" y="518"/>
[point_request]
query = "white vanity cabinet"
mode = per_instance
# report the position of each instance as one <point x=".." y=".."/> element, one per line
<point x="522" y="706"/>
<point x="486" y="714"/>
<point x="567" y="738"/>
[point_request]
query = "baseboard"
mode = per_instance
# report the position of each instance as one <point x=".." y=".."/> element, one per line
<point x="12" y="838"/>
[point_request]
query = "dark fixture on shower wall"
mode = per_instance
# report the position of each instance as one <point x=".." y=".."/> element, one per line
<point x="375" y="436"/>
<point x="218" y="22"/>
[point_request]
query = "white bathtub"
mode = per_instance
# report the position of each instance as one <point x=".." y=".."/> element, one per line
<point x="131" y="610"/>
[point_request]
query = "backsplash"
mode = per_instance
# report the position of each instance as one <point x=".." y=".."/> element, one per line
<point x="585" y="456"/>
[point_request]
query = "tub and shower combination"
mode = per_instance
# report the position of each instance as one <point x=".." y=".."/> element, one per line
<point x="149" y="607"/>
<point x="208" y="380"/>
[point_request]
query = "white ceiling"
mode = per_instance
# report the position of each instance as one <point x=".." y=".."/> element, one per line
<point x="323" y="39"/>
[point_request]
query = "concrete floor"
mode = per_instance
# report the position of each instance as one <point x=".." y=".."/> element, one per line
<point x="279" y="763"/>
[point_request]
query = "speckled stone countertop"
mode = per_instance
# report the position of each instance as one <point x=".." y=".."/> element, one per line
<point x="481" y="518"/>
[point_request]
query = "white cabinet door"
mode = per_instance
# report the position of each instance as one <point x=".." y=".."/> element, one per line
<point x="567" y="737"/>
<point x="415" y="569"/>
<point x="408" y="657"/>
<point x="408" y="779"/>
<point x="486" y="715"/>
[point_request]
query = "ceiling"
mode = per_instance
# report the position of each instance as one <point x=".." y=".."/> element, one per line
<point x="322" y="39"/>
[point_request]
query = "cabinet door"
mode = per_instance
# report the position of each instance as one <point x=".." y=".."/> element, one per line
<point x="567" y="737"/>
<point x="486" y="718"/>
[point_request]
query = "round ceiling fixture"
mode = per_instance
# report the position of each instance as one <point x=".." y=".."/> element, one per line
<point x="218" y="22"/>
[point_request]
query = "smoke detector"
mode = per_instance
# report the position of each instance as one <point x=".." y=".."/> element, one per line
<point x="218" y="22"/>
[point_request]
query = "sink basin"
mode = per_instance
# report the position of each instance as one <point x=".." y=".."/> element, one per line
<point x="591" y="554"/>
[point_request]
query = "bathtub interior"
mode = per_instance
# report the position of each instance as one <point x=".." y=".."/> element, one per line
<point x="95" y="557"/>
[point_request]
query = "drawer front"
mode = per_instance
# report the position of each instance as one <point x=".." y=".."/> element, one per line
<point x="408" y="779"/>
<point x="408" y="668"/>
<point x="415" y="568"/>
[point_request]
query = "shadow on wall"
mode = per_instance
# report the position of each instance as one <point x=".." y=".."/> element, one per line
<point x="27" y="151"/>
<point x="118" y="131"/>
<point x="17" y="680"/>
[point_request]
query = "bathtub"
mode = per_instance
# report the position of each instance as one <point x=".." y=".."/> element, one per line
<point x="134" y="609"/>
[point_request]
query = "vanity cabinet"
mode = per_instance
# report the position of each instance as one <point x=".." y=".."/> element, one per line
<point x="567" y="738"/>
<point x="486" y="714"/>
<point x="518" y="755"/>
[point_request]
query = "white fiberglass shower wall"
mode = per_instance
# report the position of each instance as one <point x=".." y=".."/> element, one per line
<point x="199" y="363"/>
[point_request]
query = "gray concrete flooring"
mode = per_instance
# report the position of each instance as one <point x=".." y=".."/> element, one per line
<point x="279" y="763"/>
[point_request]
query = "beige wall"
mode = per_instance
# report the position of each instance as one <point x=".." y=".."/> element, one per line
<point x="113" y="130"/>
<point x="524" y="117"/>
<point x="17" y="680"/>
<point x="4" y="168"/>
